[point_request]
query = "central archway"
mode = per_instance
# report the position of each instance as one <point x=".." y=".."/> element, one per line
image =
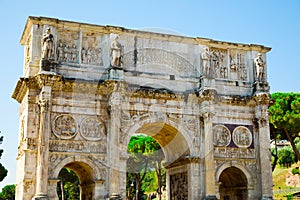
<point x="172" y="142"/>
<point x="176" y="145"/>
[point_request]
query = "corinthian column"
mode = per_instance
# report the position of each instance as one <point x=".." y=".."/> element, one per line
<point x="261" y="114"/>
<point x="209" y="162"/>
<point x="114" y="164"/>
<point x="45" y="82"/>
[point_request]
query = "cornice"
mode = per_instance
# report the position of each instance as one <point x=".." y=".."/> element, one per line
<point x="108" y="29"/>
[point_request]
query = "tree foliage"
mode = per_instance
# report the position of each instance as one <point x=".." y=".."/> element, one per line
<point x="286" y="157"/>
<point x="144" y="166"/>
<point x="68" y="186"/>
<point x="285" y="116"/>
<point x="3" y="171"/>
<point x="8" y="192"/>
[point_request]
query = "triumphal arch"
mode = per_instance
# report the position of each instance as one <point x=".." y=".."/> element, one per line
<point x="87" y="89"/>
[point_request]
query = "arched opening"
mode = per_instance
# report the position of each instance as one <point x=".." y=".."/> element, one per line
<point x="77" y="178"/>
<point x="68" y="185"/>
<point x="233" y="184"/>
<point x="146" y="175"/>
<point x="174" y="147"/>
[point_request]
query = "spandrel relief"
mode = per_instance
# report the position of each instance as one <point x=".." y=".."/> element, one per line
<point x="91" y="52"/>
<point x="64" y="126"/>
<point x="67" y="47"/>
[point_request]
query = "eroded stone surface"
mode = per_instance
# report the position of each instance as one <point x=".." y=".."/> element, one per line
<point x="204" y="101"/>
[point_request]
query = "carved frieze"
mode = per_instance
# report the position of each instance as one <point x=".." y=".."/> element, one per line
<point x="93" y="128"/>
<point x="77" y="146"/>
<point x="64" y="126"/>
<point x="229" y="152"/>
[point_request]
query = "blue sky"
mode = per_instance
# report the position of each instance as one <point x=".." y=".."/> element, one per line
<point x="266" y="22"/>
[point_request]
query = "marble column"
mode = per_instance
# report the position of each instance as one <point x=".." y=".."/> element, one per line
<point x="46" y="82"/>
<point x="43" y="148"/>
<point x="261" y="113"/>
<point x="194" y="179"/>
<point x="113" y="144"/>
<point x="209" y="163"/>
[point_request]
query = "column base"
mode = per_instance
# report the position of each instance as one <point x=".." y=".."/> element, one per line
<point x="211" y="197"/>
<point x="267" y="198"/>
<point x="40" y="197"/>
<point x="114" y="196"/>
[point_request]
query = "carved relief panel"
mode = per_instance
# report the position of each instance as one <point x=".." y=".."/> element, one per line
<point x="92" y="128"/>
<point x="67" y="126"/>
<point x="238" y="66"/>
<point x="218" y="63"/>
<point x="67" y="46"/>
<point x="64" y="126"/>
<point x="179" y="186"/>
<point x="91" y="52"/>
<point x="242" y="137"/>
<point x="222" y="136"/>
<point x="232" y="140"/>
<point x="160" y="57"/>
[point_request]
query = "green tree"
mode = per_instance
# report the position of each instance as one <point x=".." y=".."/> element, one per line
<point x="67" y="187"/>
<point x="286" y="157"/>
<point x="3" y="171"/>
<point x="8" y="192"/>
<point x="145" y="156"/>
<point x="285" y="116"/>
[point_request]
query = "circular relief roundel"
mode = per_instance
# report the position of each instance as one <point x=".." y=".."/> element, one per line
<point x="64" y="126"/>
<point x="92" y="128"/>
<point x="242" y="137"/>
<point x="221" y="135"/>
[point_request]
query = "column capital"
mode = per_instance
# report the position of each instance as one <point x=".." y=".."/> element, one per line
<point x="44" y="105"/>
<point x="44" y="79"/>
<point x="116" y="92"/>
<point x="208" y="115"/>
<point x="262" y="98"/>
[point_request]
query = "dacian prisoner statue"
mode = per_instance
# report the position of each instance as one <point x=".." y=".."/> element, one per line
<point x="204" y="101"/>
<point x="260" y="67"/>
<point x="47" y="44"/>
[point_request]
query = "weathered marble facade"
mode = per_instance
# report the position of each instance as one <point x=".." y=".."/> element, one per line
<point x="86" y="89"/>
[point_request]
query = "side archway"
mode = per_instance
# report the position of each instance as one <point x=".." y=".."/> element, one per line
<point x="235" y="182"/>
<point x="91" y="176"/>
